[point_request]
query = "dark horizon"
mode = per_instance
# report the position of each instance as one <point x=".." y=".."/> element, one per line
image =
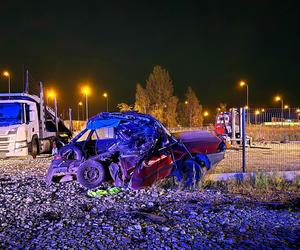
<point x="208" y="46"/>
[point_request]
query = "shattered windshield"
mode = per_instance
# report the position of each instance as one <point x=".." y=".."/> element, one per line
<point x="10" y="114"/>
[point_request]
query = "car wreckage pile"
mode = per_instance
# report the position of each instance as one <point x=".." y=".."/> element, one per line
<point x="134" y="150"/>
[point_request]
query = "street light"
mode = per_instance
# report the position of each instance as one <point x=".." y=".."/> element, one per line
<point x="242" y="84"/>
<point x="51" y="94"/>
<point x="105" y="95"/>
<point x="298" y="113"/>
<point x="7" y="74"/>
<point x="86" y="91"/>
<point x="79" y="105"/>
<point x="278" y="99"/>
<point x="78" y="114"/>
<point x="190" y="114"/>
<point x="287" y="107"/>
<point x="257" y="112"/>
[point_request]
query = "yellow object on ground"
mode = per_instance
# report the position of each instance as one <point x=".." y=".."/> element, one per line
<point x="100" y="192"/>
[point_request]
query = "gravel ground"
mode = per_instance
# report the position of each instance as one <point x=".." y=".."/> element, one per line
<point x="61" y="216"/>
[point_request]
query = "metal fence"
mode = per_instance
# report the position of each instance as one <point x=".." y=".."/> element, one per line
<point x="267" y="115"/>
<point x="275" y="143"/>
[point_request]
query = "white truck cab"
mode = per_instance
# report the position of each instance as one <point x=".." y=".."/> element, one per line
<point x="19" y="125"/>
<point x="27" y="126"/>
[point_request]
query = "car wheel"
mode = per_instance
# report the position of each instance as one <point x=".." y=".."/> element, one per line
<point x="90" y="174"/>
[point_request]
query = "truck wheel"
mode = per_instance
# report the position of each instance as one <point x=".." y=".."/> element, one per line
<point x="90" y="174"/>
<point x="34" y="148"/>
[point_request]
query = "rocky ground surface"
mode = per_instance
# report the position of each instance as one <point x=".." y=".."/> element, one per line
<point x="61" y="216"/>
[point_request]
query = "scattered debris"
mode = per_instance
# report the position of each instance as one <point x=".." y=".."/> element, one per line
<point x="101" y="192"/>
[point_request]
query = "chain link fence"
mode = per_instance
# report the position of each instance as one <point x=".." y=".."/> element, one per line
<point x="275" y="142"/>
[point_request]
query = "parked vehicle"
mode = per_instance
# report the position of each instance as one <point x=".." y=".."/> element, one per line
<point x="27" y="125"/>
<point x="135" y="150"/>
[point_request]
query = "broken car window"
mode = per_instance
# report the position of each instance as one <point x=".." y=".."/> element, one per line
<point x="105" y="133"/>
<point x="84" y="136"/>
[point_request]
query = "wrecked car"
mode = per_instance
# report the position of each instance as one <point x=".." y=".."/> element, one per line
<point x="134" y="150"/>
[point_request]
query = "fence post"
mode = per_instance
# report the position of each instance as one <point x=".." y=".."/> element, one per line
<point x="233" y="116"/>
<point x="243" y="135"/>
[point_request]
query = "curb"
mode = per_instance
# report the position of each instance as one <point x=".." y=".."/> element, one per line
<point x="287" y="175"/>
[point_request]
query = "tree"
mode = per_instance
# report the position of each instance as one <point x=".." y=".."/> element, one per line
<point x="123" y="107"/>
<point x="157" y="98"/>
<point x="142" y="100"/>
<point x="190" y="111"/>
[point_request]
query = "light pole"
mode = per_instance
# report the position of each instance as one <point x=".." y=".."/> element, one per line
<point x="287" y="107"/>
<point x="263" y="115"/>
<point x="78" y="114"/>
<point x="205" y="114"/>
<point x="277" y="99"/>
<point x="7" y="74"/>
<point x="298" y="113"/>
<point x="257" y="112"/>
<point x="242" y="84"/>
<point x="190" y="114"/>
<point x="105" y="95"/>
<point x="86" y="92"/>
<point x="52" y="95"/>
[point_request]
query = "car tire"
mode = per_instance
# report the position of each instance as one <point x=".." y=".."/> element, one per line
<point x="90" y="174"/>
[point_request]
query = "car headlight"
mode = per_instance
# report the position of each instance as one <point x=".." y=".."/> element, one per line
<point x="21" y="144"/>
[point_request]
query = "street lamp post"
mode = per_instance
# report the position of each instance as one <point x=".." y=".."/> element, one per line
<point x="289" y="109"/>
<point x="277" y="99"/>
<point x="263" y="116"/>
<point x="86" y="91"/>
<point x="190" y="114"/>
<point x="257" y="112"/>
<point x="7" y="74"/>
<point x="298" y="113"/>
<point x="78" y="114"/>
<point x="205" y="114"/>
<point x="242" y="84"/>
<point x="52" y="95"/>
<point x="105" y="95"/>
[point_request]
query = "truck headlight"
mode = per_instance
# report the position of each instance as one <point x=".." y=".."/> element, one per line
<point x="12" y="131"/>
<point x="21" y="144"/>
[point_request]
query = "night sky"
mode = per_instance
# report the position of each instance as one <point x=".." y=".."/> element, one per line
<point x="209" y="45"/>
